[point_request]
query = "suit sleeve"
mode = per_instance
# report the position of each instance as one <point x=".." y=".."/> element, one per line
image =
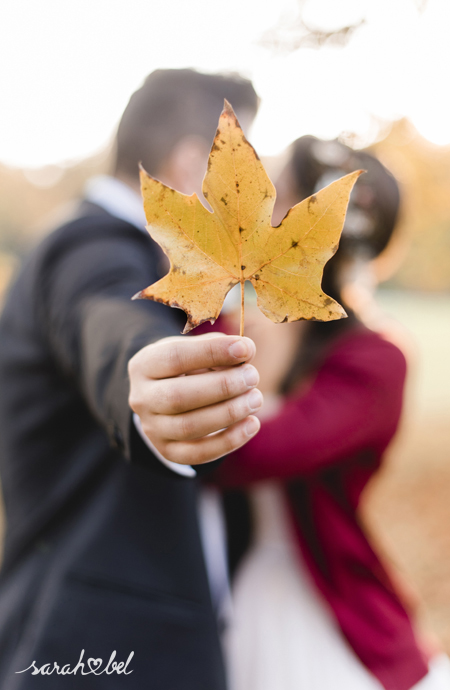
<point x="92" y="326"/>
<point x="353" y="405"/>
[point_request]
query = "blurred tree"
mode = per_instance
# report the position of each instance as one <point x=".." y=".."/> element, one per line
<point x="423" y="170"/>
<point x="294" y="32"/>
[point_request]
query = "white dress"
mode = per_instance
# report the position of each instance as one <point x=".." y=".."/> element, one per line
<point x="283" y="635"/>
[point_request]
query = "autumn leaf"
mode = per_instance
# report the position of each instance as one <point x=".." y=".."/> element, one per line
<point x="211" y="252"/>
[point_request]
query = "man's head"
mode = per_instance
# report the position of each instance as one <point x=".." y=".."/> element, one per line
<point x="170" y="122"/>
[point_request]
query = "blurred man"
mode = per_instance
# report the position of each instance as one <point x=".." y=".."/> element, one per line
<point x="103" y="572"/>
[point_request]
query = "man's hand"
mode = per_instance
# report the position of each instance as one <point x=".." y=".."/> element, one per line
<point x="186" y="389"/>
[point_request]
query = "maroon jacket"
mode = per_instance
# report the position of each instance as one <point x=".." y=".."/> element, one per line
<point x="325" y="445"/>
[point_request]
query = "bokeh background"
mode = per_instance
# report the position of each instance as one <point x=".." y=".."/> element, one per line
<point x="371" y="72"/>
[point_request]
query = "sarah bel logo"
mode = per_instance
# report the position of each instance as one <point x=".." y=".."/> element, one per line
<point x="91" y="666"/>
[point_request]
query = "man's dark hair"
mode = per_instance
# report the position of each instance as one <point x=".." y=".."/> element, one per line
<point x="170" y="105"/>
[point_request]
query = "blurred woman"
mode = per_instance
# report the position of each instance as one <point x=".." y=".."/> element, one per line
<point x="314" y="609"/>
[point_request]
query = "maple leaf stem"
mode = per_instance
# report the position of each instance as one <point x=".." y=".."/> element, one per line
<point x="241" y="330"/>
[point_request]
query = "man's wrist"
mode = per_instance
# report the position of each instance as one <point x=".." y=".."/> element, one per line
<point x="183" y="470"/>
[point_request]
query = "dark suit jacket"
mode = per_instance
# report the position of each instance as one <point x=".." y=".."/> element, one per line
<point x="102" y="548"/>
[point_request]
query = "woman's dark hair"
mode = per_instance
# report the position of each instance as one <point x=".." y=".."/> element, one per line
<point x="370" y="221"/>
<point x="374" y="202"/>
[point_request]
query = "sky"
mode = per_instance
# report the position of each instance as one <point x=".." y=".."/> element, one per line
<point x="67" y="70"/>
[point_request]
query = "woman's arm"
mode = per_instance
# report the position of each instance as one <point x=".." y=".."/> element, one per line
<point x="353" y="404"/>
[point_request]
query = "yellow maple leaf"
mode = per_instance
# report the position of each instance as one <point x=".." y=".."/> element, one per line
<point x="211" y="252"/>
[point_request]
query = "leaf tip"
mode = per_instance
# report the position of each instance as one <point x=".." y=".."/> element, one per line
<point x="143" y="176"/>
<point x="139" y="295"/>
<point x="192" y="323"/>
<point x="357" y="173"/>
<point x="227" y="107"/>
<point x="229" y="113"/>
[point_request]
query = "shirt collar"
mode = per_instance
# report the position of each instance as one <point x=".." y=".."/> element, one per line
<point x="116" y="198"/>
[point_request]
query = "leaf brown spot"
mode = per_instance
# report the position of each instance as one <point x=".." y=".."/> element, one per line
<point x="242" y="268"/>
<point x="224" y="201"/>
